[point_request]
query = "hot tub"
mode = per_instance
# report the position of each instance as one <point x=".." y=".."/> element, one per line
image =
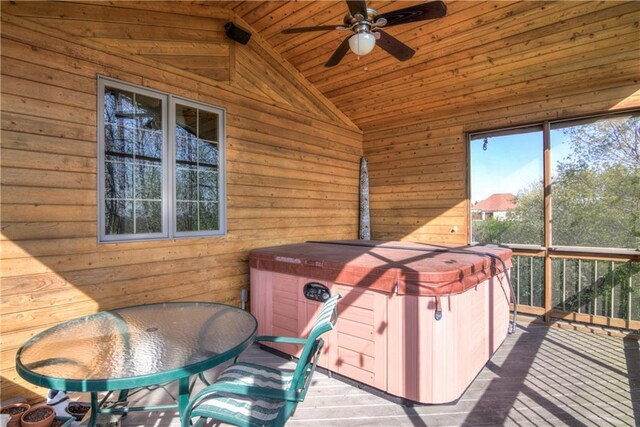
<point x="416" y="321"/>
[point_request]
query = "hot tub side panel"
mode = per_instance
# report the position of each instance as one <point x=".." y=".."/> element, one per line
<point x="359" y="342"/>
<point x="434" y="361"/>
<point x="357" y="348"/>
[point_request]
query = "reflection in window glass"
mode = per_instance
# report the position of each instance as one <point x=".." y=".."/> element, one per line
<point x="596" y="183"/>
<point x="139" y="130"/>
<point x="506" y="170"/>
<point x="197" y="174"/>
<point x="133" y="163"/>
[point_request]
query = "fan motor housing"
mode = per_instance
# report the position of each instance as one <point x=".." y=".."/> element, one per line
<point x="372" y="14"/>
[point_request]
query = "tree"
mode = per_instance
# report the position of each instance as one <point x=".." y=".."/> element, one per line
<point x="596" y="193"/>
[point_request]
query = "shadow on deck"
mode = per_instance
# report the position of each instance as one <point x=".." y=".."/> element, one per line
<point x="540" y="376"/>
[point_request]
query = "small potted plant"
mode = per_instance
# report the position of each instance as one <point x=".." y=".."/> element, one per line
<point x="15" y="411"/>
<point x="39" y="416"/>
<point x="62" y="422"/>
<point x="78" y="409"/>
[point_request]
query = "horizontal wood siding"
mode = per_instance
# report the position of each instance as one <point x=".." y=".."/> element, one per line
<point x="171" y="36"/>
<point x="486" y="64"/>
<point x="292" y="170"/>
<point x="574" y="59"/>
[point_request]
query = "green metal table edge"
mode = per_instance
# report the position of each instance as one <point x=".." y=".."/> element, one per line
<point x="182" y="375"/>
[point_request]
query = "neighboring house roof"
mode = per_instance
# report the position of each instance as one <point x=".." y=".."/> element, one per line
<point x="496" y="202"/>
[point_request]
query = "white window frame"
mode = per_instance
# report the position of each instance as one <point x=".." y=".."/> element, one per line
<point x="168" y="165"/>
<point x="222" y="211"/>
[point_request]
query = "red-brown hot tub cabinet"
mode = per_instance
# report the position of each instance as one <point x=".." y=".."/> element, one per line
<point x="387" y="335"/>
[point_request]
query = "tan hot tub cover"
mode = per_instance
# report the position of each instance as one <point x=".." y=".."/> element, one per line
<point x="401" y="267"/>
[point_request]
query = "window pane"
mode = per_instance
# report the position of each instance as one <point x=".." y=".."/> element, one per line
<point x="596" y="183"/>
<point x="209" y="216"/>
<point x="207" y="153"/>
<point x="133" y="169"/>
<point x="186" y="151"/>
<point x="119" y="107"/>
<point x="118" y="179"/>
<point x="148" y="217"/>
<point x="148" y="112"/>
<point x="186" y="121"/>
<point x="149" y="145"/>
<point x="118" y="216"/>
<point x="187" y="216"/>
<point x="119" y="139"/>
<point x="148" y="181"/>
<point x="208" y="186"/>
<point x="197" y="160"/>
<point x="506" y="187"/>
<point x="186" y="184"/>
<point x="207" y="125"/>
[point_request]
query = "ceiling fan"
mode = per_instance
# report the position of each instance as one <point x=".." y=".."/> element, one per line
<point x="366" y="22"/>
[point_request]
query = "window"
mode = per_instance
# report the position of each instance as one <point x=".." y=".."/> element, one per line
<point x="161" y="165"/>
<point x="507" y="200"/>
<point x="595" y="185"/>
<point x="197" y="162"/>
<point x="594" y="181"/>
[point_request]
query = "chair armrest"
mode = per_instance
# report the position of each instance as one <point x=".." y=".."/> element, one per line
<point x="253" y="391"/>
<point x="282" y="340"/>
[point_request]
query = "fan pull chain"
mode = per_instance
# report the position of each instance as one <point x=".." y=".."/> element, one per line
<point x="366" y="67"/>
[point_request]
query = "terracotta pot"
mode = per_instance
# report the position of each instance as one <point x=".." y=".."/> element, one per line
<point x="15" y="419"/>
<point x="78" y="409"/>
<point x="64" y="421"/>
<point x="44" y="422"/>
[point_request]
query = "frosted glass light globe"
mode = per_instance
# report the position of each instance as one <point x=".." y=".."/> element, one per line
<point x="362" y="43"/>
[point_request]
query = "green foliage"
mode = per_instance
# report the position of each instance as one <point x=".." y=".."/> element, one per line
<point x="596" y="193"/>
<point x="491" y="230"/>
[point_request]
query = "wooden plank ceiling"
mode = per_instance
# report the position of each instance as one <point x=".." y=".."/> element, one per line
<point x="479" y="53"/>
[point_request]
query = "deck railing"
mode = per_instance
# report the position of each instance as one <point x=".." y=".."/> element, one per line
<point x="602" y="291"/>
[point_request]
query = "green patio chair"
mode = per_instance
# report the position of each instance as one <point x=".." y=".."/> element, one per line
<point x="250" y="395"/>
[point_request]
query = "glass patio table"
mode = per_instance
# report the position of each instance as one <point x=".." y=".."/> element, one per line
<point x="132" y="347"/>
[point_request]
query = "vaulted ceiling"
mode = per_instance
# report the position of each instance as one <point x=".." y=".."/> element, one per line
<point x="478" y="54"/>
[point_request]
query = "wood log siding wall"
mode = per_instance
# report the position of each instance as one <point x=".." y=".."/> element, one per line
<point x="418" y="165"/>
<point x="487" y="64"/>
<point x="292" y="170"/>
<point x="417" y="184"/>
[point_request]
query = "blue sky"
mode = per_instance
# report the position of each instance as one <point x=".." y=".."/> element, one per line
<point x="511" y="163"/>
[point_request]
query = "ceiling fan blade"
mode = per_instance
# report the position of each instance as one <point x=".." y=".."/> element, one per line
<point x="419" y="12"/>
<point x="317" y="28"/>
<point x="340" y="52"/>
<point x="358" y="6"/>
<point x="394" y="47"/>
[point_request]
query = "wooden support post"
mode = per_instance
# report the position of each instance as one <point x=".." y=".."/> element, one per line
<point x="548" y="277"/>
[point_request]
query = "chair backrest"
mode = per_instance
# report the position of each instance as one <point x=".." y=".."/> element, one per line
<point x="325" y="322"/>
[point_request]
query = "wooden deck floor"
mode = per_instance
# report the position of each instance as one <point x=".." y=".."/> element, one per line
<point x="539" y="377"/>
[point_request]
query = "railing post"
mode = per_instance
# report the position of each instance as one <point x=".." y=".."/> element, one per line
<point x="564" y="284"/>
<point x="579" y="285"/>
<point x="595" y="288"/>
<point x="613" y="287"/>
<point x="518" y="280"/>
<point x="630" y="293"/>
<point x="530" y="280"/>
<point x="548" y="279"/>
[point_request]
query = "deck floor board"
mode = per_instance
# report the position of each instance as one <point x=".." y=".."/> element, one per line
<point x="540" y="376"/>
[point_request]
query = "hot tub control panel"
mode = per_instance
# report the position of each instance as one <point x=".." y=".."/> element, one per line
<point x="316" y="291"/>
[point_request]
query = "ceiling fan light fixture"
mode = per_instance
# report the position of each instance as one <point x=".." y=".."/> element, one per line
<point x="362" y="43"/>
